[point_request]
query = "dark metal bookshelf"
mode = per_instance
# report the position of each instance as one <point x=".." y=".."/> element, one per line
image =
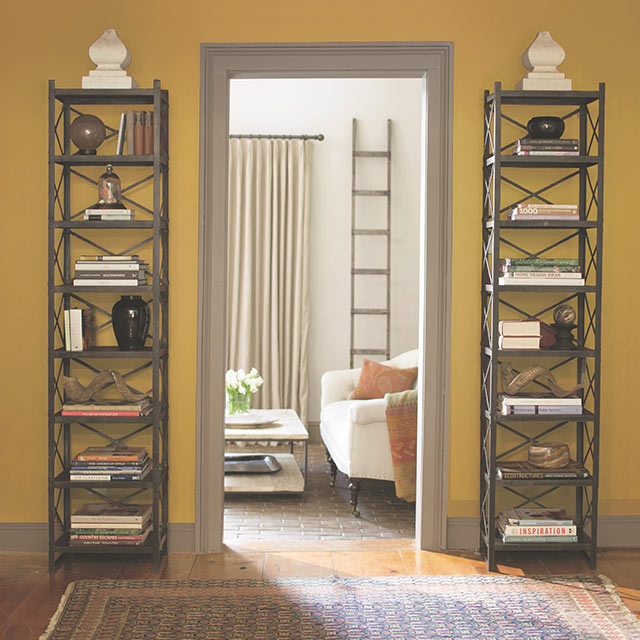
<point x="509" y="180"/>
<point x="69" y="235"/>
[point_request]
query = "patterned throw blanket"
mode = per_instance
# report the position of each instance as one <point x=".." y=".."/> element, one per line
<point x="401" y="412"/>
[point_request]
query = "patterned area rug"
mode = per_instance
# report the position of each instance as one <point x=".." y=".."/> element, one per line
<point x="398" y="608"/>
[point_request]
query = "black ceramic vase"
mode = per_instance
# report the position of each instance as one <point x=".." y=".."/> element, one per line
<point x="130" y="320"/>
<point x="545" y="127"/>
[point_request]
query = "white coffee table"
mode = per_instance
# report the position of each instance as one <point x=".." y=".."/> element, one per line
<point x="286" y="428"/>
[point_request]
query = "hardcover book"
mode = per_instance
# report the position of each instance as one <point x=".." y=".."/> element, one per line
<point x="112" y="513"/>
<point x="524" y="470"/>
<point x="537" y="516"/>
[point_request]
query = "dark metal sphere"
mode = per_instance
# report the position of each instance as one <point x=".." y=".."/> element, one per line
<point x="87" y="132"/>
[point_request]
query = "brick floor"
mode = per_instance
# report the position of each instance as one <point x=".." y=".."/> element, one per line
<point x="321" y="513"/>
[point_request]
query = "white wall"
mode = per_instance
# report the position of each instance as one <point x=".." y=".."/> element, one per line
<point x="304" y="106"/>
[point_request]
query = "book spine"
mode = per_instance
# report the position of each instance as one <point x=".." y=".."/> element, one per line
<point x="104" y="477"/>
<point x="97" y="458"/>
<point x="546" y="141"/>
<point x="75" y="321"/>
<point x="86" y="531"/>
<point x="539" y="530"/>
<point x="138" y="132"/>
<point x="534" y="475"/>
<point x="540" y="261"/>
<point x="116" y="468"/>
<point x="104" y="542"/>
<point x="547" y="153"/>
<point x="571" y="275"/>
<point x="569" y="282"/>
<point x="92" y="282"/>
<point x="547" y="147"/>
<point x="545" y="216"/>
<point x="109" y="266"/>
<point x="128" y="414"/>
<point x="106" y="407"/>
<point x="559" y="410"/>
<point x="538" y="208"/>
<point x="110" y="273"/>
<point x="532" y="268"/>
<point x="106" y="536"/>
<point x="67" y="330"/>
<point x="110" y="520"/>
<point x="516" y="539"/>
<point x="121" y="135"/>
<point x="99" y="527"/>
<point x="129" y="132"/>
<point x="107" y="258"/>
<point x="148" y="133"/>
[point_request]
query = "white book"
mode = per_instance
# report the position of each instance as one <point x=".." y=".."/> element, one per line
<point x="121" y="130"/>
<point x="545" y="216"/>
<point x="107" y="282"/>
<point x="107" y="212"/>
<point x="519" y="327"/>
<point x="75" y="325"/>
<point x="553" y="275"/>
<point x="518" y="342"/>
<point x="565" y="282"/>
<point x="67" y="330"/>
<point x="542" y="207"/>
<point x="529" y="409"/>
<point x="560" y="409"/>
<point x="539" y="400"/>
<point x="111" y="265"/>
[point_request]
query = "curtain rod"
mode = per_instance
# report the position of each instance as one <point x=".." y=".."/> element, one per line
<point x="318" y="136"/>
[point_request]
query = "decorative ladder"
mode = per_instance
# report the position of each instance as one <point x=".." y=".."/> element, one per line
<point x="356" y="231"/>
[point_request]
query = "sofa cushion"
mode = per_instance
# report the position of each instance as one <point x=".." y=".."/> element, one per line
<point x="377" y="379"/>
<point x="367" y="411"/>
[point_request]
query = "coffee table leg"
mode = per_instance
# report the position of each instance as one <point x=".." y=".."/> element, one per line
<point x="306" y="461"/>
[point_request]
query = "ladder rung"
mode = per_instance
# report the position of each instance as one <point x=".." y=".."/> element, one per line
<point x="371" y="312"/>
<point x="371" y="154"/>
<point x="369" y="352"/>
<point x="370" y="232"/>
<point x="370" y="272"/>
<point x="370" y="192"/>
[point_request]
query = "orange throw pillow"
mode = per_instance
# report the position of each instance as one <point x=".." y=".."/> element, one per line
<point x="377" y="379"/>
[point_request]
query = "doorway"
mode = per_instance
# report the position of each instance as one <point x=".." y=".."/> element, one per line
<point x="432" y="63"/>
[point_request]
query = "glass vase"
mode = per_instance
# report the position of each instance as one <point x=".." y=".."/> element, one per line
<point x="238" y="403"/>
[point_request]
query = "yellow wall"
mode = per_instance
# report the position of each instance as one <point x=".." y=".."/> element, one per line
<point x="39" y="41"/>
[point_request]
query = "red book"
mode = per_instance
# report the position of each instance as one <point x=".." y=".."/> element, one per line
<point x="138" y="132"/>
<point x="147" y="133"/>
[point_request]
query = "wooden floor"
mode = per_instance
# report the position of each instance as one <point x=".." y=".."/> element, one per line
<point x="29" y="596"/>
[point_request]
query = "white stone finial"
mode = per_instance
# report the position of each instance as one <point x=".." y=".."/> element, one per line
<point x="542" y="58"/>
<point x="110" y="56"/>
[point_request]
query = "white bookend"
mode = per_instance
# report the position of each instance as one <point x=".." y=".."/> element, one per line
<point x="75" y="321"/>
<point x="121" y="133"/>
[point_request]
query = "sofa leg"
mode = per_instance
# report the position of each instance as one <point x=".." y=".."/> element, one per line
<point x="333" y="469"/>
<point x="354" y="488"/>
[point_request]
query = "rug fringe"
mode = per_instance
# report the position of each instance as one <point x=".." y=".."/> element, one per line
<point x="624" y="610"/>
<point x="54" y="620"/>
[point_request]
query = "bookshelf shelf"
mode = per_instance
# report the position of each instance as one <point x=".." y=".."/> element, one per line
<point x="511" y="180"/>
<point x="72" y="179"/>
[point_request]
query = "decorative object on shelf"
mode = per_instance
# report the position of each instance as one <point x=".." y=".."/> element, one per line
<point x="130" y="319"/>
<point x="513" y="382"/>
<point x="564" y="317"/>
<point x="109" y="190"/>
<point x="542" y="58"/>
<point x="548" y="455"/>
<point x="546" y="127"/>
<point x="239" y="387"/>
<point x="76" y="392"/>
<point x="87" y="132"/>
<point x="110" y="56"/>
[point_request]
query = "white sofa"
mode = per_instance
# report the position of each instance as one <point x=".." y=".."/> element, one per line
<point x="354" y="432"/>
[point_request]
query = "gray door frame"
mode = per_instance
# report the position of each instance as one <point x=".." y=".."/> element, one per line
<point x="431" y="61"/>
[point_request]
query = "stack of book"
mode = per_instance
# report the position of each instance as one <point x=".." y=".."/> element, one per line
<point x="136" y="129"/>
<point x="110" y="271"/>
<point x="540" y="271"/>
<point x="110" y="524"/>
<point x="547" y="147"/>
<point x="519" y="334"/>
<point x="524" y="470"/>
<point x="523" y="524"/>
<point x="106" y="464"/>
<point x="111" y="215"/>
<point x="539" y="404"/>
<point x="108" y="408"/>
<point x="537" y="212"/>
<point x="79" y="329"/>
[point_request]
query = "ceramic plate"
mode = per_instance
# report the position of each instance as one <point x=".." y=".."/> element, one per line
<point x="249" y="420"/>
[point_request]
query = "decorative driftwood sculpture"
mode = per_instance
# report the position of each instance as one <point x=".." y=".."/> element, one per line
<point x="548" y="455"/>
<point x="75" y="392"/>
<point x="512" y="383"/>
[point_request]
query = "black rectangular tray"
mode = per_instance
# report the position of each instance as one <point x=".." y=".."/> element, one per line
<point x="251" y="463"/>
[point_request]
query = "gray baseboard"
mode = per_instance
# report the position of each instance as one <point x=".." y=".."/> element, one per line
<point x="462" y="533"/>
<point x="32" y="537"/>
<point x="613" y="532"/>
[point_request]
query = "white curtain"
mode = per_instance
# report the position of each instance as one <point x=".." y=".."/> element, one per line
<point x="268" y="273"/>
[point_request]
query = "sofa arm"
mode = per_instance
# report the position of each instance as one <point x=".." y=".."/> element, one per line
<point x="337" y="385"/>
<point x="368" y="411"/>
